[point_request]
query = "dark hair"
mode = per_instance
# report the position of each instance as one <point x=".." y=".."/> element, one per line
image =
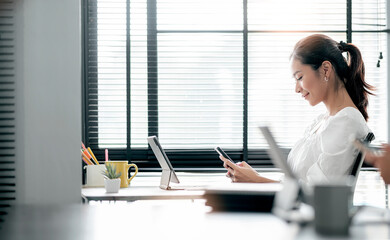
<point x="315" y="49"/>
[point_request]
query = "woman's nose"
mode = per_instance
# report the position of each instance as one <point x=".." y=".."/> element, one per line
<point x="297" y="87"/>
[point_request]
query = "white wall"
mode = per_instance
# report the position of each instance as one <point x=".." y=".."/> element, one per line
<point x="48" y="103"/>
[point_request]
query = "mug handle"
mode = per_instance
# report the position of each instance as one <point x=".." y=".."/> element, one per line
<point x="135" y="173"/>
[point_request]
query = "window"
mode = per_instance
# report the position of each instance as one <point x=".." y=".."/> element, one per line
<point x="202" y="73"/>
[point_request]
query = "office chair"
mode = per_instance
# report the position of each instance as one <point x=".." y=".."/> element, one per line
<point x="360" y="157"/>
<point x="359" y="162"/>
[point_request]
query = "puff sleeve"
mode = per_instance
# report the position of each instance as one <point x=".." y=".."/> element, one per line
<point x="337" y="153"/>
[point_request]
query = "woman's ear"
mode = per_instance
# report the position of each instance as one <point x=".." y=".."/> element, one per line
<point x="326" y="66"/>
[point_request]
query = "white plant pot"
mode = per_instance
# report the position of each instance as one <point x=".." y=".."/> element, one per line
<point x="112" y="185"/>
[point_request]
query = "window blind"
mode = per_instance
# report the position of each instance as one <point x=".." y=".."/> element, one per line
<point x="200" y="73"/>
<point x="7" y="108"/>
<point x="204" y="73"/>
<point x="369" y="22"/>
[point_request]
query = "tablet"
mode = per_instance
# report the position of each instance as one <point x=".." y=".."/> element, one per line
<point x="168" y="173"/>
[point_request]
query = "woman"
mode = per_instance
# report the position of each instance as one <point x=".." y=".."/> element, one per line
<point x="322" y="74"/>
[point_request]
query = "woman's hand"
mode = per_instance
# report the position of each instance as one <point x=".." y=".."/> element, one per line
<point x="381" y="161"/>
<point x="242" y="172"/>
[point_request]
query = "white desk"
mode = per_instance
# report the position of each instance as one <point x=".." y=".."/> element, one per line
<point x="134" y="193"/>
<point x="176" y="219"/>
<point x="370" y="188"/>
<point x="145" y="186"/>
<point x="155" y="219"/>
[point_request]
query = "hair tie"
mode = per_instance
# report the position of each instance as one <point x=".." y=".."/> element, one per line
<point x="343" y="46"/>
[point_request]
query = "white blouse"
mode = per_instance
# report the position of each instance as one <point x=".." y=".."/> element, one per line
<point x="326" y="151"/>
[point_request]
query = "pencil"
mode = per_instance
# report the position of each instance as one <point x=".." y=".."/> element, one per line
<point x="87" y="155"/>
<point x="93" y="156"/>
<point x="83" y="146"/>
<point x="87" y="161"/>
<point x="84" y="155"/>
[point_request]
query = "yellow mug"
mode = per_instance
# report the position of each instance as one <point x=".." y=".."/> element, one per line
<point x="123" y="167"/>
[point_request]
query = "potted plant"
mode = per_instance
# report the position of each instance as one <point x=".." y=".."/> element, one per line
<point x="112" y="182"/>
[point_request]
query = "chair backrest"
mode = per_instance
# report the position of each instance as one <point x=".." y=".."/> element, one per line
<point x="360" y="157"/>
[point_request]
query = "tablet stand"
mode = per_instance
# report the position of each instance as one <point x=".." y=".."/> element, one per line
<point x="167" y="176"/>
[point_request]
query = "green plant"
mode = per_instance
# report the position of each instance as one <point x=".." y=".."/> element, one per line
<point x="111" y="172"/>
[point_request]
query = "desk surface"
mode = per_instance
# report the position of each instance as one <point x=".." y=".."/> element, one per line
<point x="145" y="186"/>
<point x="139" y="193"/>
<point x="175" y="219"/>
<point x="370" y="188"/>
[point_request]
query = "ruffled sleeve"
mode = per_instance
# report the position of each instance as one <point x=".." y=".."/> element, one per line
<point x="337" y="151"/>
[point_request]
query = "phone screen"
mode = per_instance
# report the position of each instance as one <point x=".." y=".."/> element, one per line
<point x="221" y="152"/>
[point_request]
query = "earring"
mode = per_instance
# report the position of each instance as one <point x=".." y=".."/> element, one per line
<point x="326" y="79"/>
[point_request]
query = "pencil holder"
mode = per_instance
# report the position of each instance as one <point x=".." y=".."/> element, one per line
<point x="94" y="175"/>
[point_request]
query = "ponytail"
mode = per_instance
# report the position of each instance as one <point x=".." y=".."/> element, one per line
<point x="354" y="78"/>
<point x="315" y="49"/>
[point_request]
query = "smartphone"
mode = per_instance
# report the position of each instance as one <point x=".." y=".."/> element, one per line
<point x="221" y="152"/>
<point x="364" y="147"/>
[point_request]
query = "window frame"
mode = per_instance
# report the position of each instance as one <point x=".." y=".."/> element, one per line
<point x="195" y="160"/>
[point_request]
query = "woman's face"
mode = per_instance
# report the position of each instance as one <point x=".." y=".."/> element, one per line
<point x="309" y="83"/>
